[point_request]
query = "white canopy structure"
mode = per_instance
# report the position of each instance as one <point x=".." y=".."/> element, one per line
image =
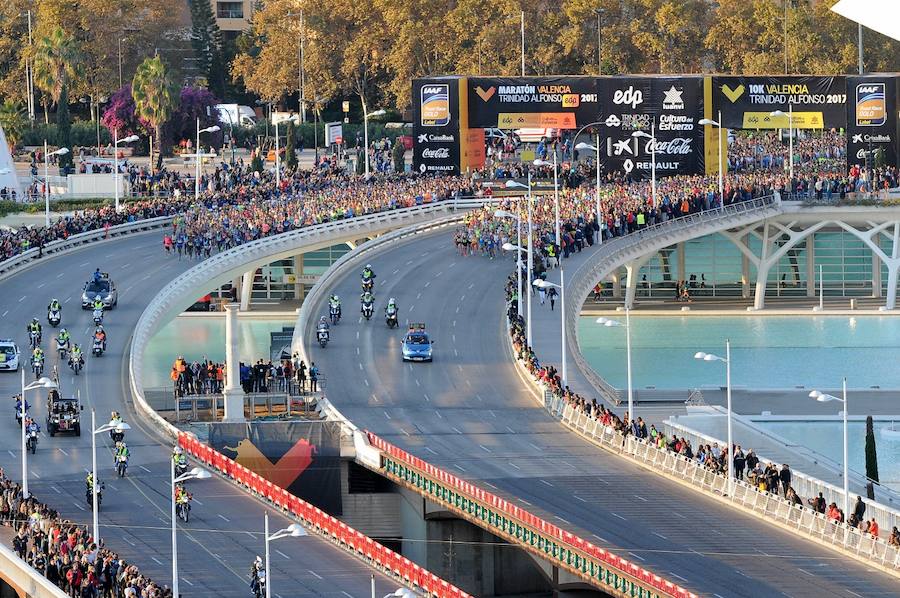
<point x="882" y="16"/>
<point x="8" y="178"/>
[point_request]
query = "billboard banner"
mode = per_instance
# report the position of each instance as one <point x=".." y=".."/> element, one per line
<point x="534" y="102"/>
<point x="747" y="102"/>
<point x="871" y="118"/>
<point x="673" y="106"/>
<point x="302" y="457"/>
<point x="436" y="125"/>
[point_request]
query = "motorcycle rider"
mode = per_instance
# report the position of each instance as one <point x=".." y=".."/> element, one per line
<point x="335" y="303"/>
<point x="98" y="304"/>
<point x="34" y="327"/>
<point x="179" y="459"/>
<point x="37" y="356"/>
<point x="121" y="451"/>
<point x="75" y="355"/>
<point x="54" y="306"/>
<point x="89" y="483"/>
<point x="100" y="335"/>
<point x="366" y="299"/>
<point x="182" y="496"/>
<point x="368" y="273"/>
<point x="18" y="399"/>
<point x="391" y="307"/>
<point x="31" y="426"/>
<point x="63" y="338"/>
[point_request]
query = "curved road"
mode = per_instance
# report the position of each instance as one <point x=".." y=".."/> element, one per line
<point x="471" y="413"/>
<point x="225" y="530"/>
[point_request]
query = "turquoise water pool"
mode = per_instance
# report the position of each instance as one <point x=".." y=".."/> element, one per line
<point x="767" y="351"/>
<point x="196" y="337"/>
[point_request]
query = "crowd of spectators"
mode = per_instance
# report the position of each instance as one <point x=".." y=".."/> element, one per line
<point x="205" y="376"/>
<point x="65" y="553"/>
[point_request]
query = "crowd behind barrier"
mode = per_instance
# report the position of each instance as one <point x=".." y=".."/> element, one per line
<point x="64" y="552"/>
<point x="333" y="529"/>
<point x="205" y="376"/>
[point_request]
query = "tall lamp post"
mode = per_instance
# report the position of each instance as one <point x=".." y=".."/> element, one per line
<point x="652" y="138"/>
<point x="518" y="249"/>
<point x="294" y="530"/>
<point x="543" y="284"/>
<point x="366" y="116"/>
<point x="116" y="142"/>
<point x="727" y="361"/>
<point x="554" y="164"/>
<point x="42" y="382"/>
<point x="515" y="184"/>
<point x="718" y="125"/>
<point x="60" y="152"/>
<point x="595" y="148"/>
<point x="824" y="398"/>
<point x="522" y="35"/>
<point x="609" y="323"/>
<point x="196" y="473"/>
<point x="112" y="425"/>
<point x="211" y="129"/>
<point x="599" y="42"/>
<point x="790" y="117"/>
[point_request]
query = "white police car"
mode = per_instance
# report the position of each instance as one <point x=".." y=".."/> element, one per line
<point x="9" y="355"/>
<point x="416" y="344"/>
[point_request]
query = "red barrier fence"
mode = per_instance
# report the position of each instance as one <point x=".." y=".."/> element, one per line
<point x="448" y="479"/>
<point x="336" y="530"/>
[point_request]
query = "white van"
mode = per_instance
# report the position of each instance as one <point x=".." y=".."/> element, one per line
<point x="236" y="115"/>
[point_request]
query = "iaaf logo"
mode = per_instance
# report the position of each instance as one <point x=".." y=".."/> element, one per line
<point x="440" y="153"/>
<point x="425" y="138"/>
<point x="629" y="97"/>
<point x="678" y="145"/>
<point x="868" y="89"/>
<point x="431" y="89"/>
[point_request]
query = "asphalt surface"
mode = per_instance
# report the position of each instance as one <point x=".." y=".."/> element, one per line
<point x="471" y="413"/>
<point x="225" y="530"/>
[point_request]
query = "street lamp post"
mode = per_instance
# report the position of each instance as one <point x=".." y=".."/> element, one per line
<point x="518" y="248"/>
<point x="609" y="323"/>
<point x="718" y="125"/>
<point x="599" y="42"/>
<point x="554" y="164"/>
<point x="116" y="142"/>
<point x="211" y="129"/>
<point x="652" y="138"/>
<point x="198" y="474"/>
<point x="294" y="530"/>
<point x="543" y="284"/>
<point x="366" y="116"/>
<point x="727" y="361"/>
<point x="60" y="152"/>
<point x="522" y="28"/>
<point x="42" y="382"/>
<point x="824" y="398"/>
<point x="511" y="184"/>
<point x="112" y="425"/>
<point x="790" y="117"/>
<point x="587" y="146"/>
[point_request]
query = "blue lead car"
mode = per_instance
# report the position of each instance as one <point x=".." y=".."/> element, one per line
<point x="416" y="344"/>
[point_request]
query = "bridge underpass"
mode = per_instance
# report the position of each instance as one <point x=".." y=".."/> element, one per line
<point x="470" y="413"/>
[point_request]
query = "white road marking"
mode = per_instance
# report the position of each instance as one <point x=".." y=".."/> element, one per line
<point x="579" y="498"/>
<point x="357" y="350"/>
<point x="491" y="485"/>
<point x="360" y="366"/>
<point x="454" y="337"/>
<point x="438" y="413"/>
<point x="412" y="307"/>
<point x="455" y="353"/>
<point x="641" y="498"/>
<point x="386" y="414"/>
<point x="357" y="332"/>
<point x="35" y="474"/>
<point x="313" y="573"/>
<point x="159" y="562"/>
<point x="23" y="298"/>
<point x="223" y="516"/>
<point x="366" y="380"/>
<point x="346" y="594"/>
<point x="805" y="571"/>
<point x="566" y="521"/>
<point x="660" y="536"/>
<point x="40" y="286"/>
<point x="83" y="265"/>
<point x="600" y="538"/>
<point x="418" y="295"/>
<point x="545" y="482"/>
<point x="409" y="262"/>
<point x="459" y="468"/>
<point x="451" y="264"/>
<point x="456" y="430"/>
<point x="80" y="508"/>
<point x="617" y="515"/>
<point x="427" y="284"/>
<point x="11" y="454"/>
<point x="510" y="430"/>
<point x="395" y="271"/>
<point x="405" y="432"/>
<point x="430" y="450"/>
<point x="677" y="576"/>
<point x="198" y="502"/>
<point x="55" y="489"/>
<point x="470" y="285"/>
<point x="417" y="382"/>
<point x="439" y="273"/>
<point x="67" y="299"/>
<point x="187" y="582"/>
<point x="513" y="465"/>
<point x="457" y="309"/>
<point x="6" y="312"/>
<point x="426" y="397"/>
<point x="454" y="323"/>
<point x="638" y="557"/>
<point x="145" y="469"/>
<point x="494" y="415"/>
<point x="479" y="397"/>
<point x="678" y="515"/>
<point x="60" y="275"/>
<point x="484" y="448"/>
<point x="534" y="446"/>
<point x="463" y="298"/>
<point x="129" y="541"/>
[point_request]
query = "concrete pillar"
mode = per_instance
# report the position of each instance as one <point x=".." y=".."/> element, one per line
<point x="246" y="289"/>
<point x="762" y="271"/>
<point x="745" y="275"/>
<point x="234" y="394"/>
<point x="632" y="271"/>
<point x="893" y="269"/>
<point x="298" y="272"/>
<point x="811" y="265"/>
<point x="616" y="284"/>
<point x="680" y="275"/>
<point x="876" y="270"/>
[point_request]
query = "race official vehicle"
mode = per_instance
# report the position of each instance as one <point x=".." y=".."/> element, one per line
<point x="9" y="355"/>
<point x="104" y="288"/>
<point x="63" y="414"/>
<point x="416" y="344"/>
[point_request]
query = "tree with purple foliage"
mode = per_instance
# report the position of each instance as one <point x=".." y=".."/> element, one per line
<point x="195" y="102"/>
<point x="120" y="115"/>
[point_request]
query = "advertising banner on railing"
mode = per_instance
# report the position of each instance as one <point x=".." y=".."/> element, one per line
<point x="436" y="125"/>
<point x="302" y="457"/>
<point x="747" y="102"/>
<point x="566" y="102"/>
<point x="872" y="119"/>
<point x="672" y="106"/>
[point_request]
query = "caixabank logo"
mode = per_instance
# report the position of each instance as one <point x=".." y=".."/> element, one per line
<point x="871" y="105"/>
<point x="435" y="105"/>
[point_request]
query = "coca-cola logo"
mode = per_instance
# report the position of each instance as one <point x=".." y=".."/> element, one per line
<point x="678" y="146"/>
<point x="628" y="97"/>
<point x="440" y="153"/>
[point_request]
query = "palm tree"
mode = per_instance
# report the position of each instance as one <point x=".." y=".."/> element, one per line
<point x="13" y="122"/>
<point x="155" y="96"/>
<point x="57" y="62"/>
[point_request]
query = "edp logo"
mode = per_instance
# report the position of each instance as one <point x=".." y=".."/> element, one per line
<point x="628" y="97"/>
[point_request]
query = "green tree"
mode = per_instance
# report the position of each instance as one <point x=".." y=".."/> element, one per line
<point x="156" y="96"/>
<point x="206" y="39"/>
<point x="290" y="146"/>
<point x="56" y="62"/>
<point x="64" y="129"/>
<point x="13" y="122"/>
